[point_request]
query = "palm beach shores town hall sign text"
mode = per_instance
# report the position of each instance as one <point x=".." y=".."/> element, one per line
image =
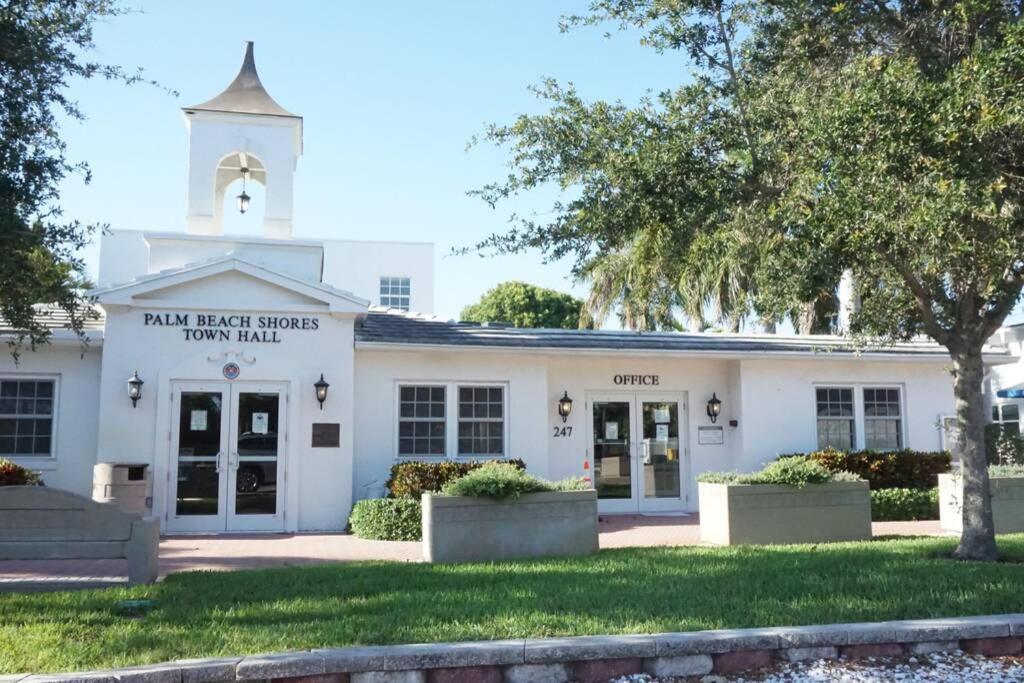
<point x="257" y="329"/>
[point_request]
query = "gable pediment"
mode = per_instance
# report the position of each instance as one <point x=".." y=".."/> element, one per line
<point x="232" y="284"/>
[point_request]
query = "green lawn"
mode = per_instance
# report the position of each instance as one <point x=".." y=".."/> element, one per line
<point x="639" y="590"/>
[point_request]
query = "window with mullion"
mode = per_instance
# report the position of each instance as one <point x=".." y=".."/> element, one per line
<point x="481" y="426"/>
<point x="26" y="417"/>
<point x="883" y="419"/>
<point x="421" y="421"/>
<point x="836" y="418"/>
<point x="1007" y="415"/>
<point x="395" y="292"/>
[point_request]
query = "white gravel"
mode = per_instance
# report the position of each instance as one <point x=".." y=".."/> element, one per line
<point x="938" y="668"/>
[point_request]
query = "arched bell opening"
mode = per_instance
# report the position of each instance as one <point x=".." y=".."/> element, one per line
<point x="240" y="193"/>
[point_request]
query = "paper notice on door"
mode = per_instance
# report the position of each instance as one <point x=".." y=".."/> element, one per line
<point x="260" y="423"/>
<point x="661" y="432"/>
<point x="198" y="421"/>
<point x="611" y="431"/>
<point x="662" y="415"/>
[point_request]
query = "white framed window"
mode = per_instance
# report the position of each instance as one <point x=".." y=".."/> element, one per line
<point x="1008" y="415"/>
<point x="27" y="411"/>
<point x="883" y="419"/>
<point x="836" y="418"/>
<point x="481" y="421"/>
<point x="859" y="416"/>
<point x="422" y="420"/>
<point x="451" y="418"/>
<point x="394" y="292"/>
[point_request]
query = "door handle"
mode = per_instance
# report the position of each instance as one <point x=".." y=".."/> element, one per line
<point x="216" y="463"/>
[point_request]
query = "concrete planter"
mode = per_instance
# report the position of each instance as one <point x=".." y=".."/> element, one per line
<point x="732" y="514"/>
<point x="465" y="529"/>
<point x="1007" y="503"/>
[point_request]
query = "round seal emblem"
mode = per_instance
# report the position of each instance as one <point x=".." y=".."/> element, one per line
<point x="232" y="371"/>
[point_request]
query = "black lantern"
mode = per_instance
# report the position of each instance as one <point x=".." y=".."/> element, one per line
<point x="135" y="388"/>
<point x="321" y="390"/>
<point x="565" y="406"/>
<point x="714" y="407"/>
<point x="243" y="198"/>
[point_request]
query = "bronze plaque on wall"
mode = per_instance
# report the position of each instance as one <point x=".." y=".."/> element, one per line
<point x="326" y="435"/>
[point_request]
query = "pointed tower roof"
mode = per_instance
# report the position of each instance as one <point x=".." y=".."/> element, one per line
<point x="245" y="95"/>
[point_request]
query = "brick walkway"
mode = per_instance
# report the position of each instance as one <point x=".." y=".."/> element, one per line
<point x="226" y="552"/>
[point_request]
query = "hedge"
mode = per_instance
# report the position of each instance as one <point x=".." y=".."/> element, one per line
<point x="387" y="519"/>
<point x="904" y="469"/>
<point x="1003" y="445"/>
<point x="504" y="480"/>
<point x="904" y="505"/>
<point x="788" y="471"/>
<point x="13" y="474"/>
<point x="413" y="478"/>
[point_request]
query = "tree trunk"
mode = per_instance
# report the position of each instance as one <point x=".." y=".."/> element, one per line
<point x="806" y="320"/>
<point x="978" y="541"/>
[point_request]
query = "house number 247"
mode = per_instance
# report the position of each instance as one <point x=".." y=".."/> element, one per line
<point x="563" y="431"/>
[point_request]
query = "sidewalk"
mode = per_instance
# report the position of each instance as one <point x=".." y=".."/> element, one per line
<point x="236" y="551"/>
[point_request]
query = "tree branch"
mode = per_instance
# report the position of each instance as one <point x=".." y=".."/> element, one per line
<point x="921" y="296"/>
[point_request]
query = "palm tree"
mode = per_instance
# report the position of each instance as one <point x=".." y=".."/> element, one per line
<point x="639" y="281"/>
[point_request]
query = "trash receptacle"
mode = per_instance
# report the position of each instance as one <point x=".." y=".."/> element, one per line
<point x="127" y="485"/>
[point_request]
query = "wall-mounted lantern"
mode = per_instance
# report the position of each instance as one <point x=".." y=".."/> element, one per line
<point x="565" y="406"/>
<point x="243" y="198"/>
<point x="135" y="388"/>
<point x="714" y="407"/>
<point x="321" y="390"/>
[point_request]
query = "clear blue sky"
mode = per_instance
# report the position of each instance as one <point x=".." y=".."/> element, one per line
<point x="390" y="94"/>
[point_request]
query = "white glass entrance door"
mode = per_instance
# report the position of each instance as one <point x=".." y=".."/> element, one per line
<point x="639" y="452"/>
<point x="227" y="447"/>
<point x="254" y="462"/>
<point x="199" y="444"/>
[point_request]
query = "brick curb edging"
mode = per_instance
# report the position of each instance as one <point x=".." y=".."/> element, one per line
<point x="586" y="659"/>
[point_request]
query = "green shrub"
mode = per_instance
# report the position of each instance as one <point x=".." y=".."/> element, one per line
<point x="788" y="471"/>
<point x="904" y="505"/>
<point x="1000" y="471"/>
<point x="1004" y="445"/>
<point x="13" y="474"/>
<point x="387" y="519"/>
<point x="504" y="480"/>
<point x="411" y="479"/>
<point x="904" y="469"/>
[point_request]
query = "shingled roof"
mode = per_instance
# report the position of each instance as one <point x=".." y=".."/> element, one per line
<point x="53" y="317"/>
<point x="393" y="328"/>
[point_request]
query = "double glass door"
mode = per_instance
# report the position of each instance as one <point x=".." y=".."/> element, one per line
<point x="639" y="452"/>
<point x="227" y="457"/>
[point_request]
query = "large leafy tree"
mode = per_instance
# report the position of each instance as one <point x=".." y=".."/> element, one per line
<point x="884" y="138"/>
<point x="907" y="161"/>
<point x="525" y="305"/>
<point x="43" y="48"/>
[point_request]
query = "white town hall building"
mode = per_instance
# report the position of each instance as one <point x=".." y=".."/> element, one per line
<point x="282" y="378"/>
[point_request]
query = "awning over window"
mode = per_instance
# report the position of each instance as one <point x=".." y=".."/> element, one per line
<point x="1010" y="393"/>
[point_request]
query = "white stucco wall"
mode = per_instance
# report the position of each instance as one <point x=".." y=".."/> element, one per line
<point x="349" y="265"/>
<point x="77" y="373"/>
<point x="779" y="401"/>
<point x="357" y="267"/>
<point x="772" y="401"/>
<point x="317" y="491"/>
<point x="276" y="141"/>
<point x="379" y="373"/>
<point x="696" y="379"/>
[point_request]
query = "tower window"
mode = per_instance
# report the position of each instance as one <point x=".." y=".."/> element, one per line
<point x="394" y="292"/>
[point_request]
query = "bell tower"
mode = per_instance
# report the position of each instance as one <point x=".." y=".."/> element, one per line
<point x="241" y="132"/>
